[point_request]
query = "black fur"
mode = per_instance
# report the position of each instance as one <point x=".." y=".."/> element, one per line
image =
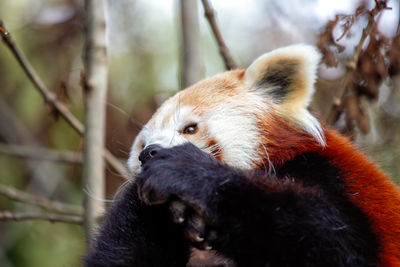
<point x="135" y="234"/>
<point x="278" y="80"/>
<point x="300" y="217"/>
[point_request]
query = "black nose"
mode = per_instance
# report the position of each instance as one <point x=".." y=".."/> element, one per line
<point x="148" y="152"/>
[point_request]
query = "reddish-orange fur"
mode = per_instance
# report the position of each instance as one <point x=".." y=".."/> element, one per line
<point x="282" y="141"/>
<point x="367" y="186"/>
<point x="372" y="191"/>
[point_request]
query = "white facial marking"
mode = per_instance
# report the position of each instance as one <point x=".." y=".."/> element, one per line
<point x="234" y="126"/>
<point x="162" y="130"/>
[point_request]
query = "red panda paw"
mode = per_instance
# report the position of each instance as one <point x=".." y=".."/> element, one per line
<point x="185" y="179"/>
<point x="185" y="211"/>
<point x="194" y="225"/>
<point x="183" y="172"/>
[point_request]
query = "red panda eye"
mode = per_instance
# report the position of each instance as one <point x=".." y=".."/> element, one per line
<point x="190" y="129"/>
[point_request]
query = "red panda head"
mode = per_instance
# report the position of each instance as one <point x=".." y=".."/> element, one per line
<point x="246" y="118"/>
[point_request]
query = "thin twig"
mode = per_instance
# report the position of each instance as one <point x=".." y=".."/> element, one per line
<point x="398" y="24"/>
<point x="350" y="21"/>
<point x="2" y="30"/>
<point x="223" y="49"/>
<point x="21" y="196"/>
<point x="52" y="100"/>
<point x="351" y="66"/>
<point x="48" y="96"/>
<point x="13" y="130"/>
<point x="24" y="216"/>
<point x="38" y="153"/>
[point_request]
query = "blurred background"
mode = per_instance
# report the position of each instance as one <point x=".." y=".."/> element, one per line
<point x="144" y="45"/>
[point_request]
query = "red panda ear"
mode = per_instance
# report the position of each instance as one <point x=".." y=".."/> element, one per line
<point x="285" y="75"/>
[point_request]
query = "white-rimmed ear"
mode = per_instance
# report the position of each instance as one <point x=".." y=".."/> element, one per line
<point x="286" y="75"/>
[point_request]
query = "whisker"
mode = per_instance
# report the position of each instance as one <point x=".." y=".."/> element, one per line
<point x="137" y="124"/>
<point x="126" y="153"/>
<point x="271" y="166"/>
<point x="88" y="192"/>
<point x="121" y="188"/>
<point x="117" y="174"/>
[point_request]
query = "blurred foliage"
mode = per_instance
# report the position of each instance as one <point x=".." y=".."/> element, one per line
<point x="144" y="56"/>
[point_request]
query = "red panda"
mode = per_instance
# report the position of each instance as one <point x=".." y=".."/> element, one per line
<point x="258" y="119"/>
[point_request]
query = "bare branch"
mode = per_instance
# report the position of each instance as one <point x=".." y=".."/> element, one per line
<point x="43" y="202"/>
<point x="38" y="153"/>
<point x="24" y="216"/>
<point x="95" y="88"/>
<point x="334" y="112"/>
<point x="51" y="99"/>
<point x="13" y="130"/>
<point x="223" y="49"/>
<point x="2" y="30"/>
<point x="192" y="65"/>
<point x="350" y="21"/>
<point x="48" y="96"/>
<point x="398" y="24"/>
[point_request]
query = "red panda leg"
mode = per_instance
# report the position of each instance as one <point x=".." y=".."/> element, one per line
<point x="134" y="234"/>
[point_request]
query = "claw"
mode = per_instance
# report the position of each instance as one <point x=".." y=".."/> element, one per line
<point x="177" y="209"/>
<point x="206" y="246"/>
<point x="194" y="237"/>
<point x="199" y="239"/>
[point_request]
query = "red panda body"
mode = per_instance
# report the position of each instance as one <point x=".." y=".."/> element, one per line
<point x="366" y="185"/>
<point x="284" y="191"/>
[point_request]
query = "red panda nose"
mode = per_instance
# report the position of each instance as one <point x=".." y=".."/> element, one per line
<point x="149" y="152"/>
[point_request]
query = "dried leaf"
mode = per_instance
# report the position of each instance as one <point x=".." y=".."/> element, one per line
<point x="393" y="55"/>
<point x="363" y="122"/>
<point x="350" y="104"/>
<point x="329" y="58"/>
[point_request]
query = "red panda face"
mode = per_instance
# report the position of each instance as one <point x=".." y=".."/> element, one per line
<point x="231" y="115"/>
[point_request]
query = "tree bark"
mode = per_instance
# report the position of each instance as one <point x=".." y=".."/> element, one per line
<point x="95" y="87"/>
<point x="223" y="48"/>
<point x="192" y="64"/>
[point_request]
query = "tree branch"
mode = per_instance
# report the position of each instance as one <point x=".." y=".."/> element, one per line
<point x="49" y="97"/>
<point x="351" y="65"/>
<point x="23" y="216"/>
<point x="223" y="49"/>
<point x="398" y="24"/>
<point x="21" y="196"/>
<point x="94" y="84"/>
<point x="38" y="153"/>
<point x="13" y="130"/>
<point x="52" y="100"/>
<point x="192" y="65"/>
